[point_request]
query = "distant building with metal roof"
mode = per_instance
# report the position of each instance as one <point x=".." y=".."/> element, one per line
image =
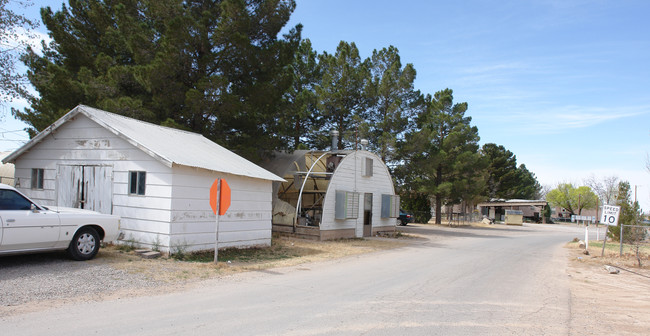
<point x="496" y="208"/>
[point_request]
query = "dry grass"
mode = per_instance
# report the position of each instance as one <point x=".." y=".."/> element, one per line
<point x="612" y="254"/>
<point x="284" y="252"/>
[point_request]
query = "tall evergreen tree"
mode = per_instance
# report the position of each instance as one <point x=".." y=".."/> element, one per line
<point x="392" y="101"/>
<point x="215" y="67"/>
<point x="630" y="214"/>
<point x="341" y="93"/>
<point x="301" y="117"/>
<point x="443" y="152"/>
<point x="527" y="186"/>
<point x="501" y="170"/>
<point x="504" y="178"/>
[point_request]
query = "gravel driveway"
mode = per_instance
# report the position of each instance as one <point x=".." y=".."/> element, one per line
<point x="49" y="276"/>
<point x="31" y="282"/>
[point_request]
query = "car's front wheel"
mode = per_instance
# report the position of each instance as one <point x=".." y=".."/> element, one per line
<point x="84" y="245"/>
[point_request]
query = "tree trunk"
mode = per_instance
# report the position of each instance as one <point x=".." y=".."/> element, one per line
<point x="438" y="195"/>
<point x="296" y="137"/>
<point x="438" y="209"/>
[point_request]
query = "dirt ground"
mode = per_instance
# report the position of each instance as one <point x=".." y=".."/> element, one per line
<point x="608" y="304"/>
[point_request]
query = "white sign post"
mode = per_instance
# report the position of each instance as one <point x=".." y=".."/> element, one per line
<point x="586" y="236"/>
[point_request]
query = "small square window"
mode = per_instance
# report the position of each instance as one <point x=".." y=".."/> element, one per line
<point x="37" y="178"/>
<point x="137" y="182"/>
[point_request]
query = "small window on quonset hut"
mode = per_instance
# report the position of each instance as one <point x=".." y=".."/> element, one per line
<point x="37" y="178"/>
<point x="137" y="182"/>
<point x="347" y="205"/>
<point x="367" y="169"/>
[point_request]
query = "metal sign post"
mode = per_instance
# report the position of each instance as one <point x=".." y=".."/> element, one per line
<point x="610" y="218"/>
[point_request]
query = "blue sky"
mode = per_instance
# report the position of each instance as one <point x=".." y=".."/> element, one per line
<point x="564" y="85"/>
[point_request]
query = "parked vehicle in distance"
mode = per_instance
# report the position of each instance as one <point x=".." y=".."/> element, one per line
<point x="404" y="217"/>
<point x="27" y="227"/>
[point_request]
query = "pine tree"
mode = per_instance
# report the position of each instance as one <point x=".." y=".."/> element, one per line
<point x="302" y="120"/>
<point x="216" y="67"/>
<point x="341" y="93"/>
<point x="442" y="153"/>
<point x="392" y="101"/>
<point x="630" y="214"/>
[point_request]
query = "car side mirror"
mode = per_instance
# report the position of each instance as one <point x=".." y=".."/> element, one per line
<point x="33" y="207"/>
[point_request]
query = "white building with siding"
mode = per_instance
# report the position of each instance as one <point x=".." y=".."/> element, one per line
<point x="339" y="194"/>
<point x="157" y="179"/>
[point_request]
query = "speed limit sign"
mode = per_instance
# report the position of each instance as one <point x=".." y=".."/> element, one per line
<point x="610" y="215"/>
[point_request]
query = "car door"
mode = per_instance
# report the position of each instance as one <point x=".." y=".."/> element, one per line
<point x="25" y="225"/>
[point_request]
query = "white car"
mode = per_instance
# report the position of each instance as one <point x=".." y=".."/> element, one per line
<point x="28" y="227"/>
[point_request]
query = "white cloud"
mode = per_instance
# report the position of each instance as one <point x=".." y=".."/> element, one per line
<point x="553" y="120"/>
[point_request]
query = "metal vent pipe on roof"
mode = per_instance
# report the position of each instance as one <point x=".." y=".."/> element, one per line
<point x="335" y="139"/>
<point x="364" y="144"/>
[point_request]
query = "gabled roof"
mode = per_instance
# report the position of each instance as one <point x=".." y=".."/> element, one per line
<point x="168" y="145"/>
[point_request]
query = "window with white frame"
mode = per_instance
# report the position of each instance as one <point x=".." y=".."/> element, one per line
<point x="37" y="178"/>
<point x="137" y="182"/>
<point x="347" y="205"/>
<point x="389" y="206"/>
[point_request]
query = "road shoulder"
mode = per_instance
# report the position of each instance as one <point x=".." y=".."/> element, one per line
<point x="607" y="304"/>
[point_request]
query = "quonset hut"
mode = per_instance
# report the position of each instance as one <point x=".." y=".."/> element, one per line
<point x="332" y="194"/>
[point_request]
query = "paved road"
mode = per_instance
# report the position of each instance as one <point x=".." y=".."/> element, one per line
<point x="498" y="281"/>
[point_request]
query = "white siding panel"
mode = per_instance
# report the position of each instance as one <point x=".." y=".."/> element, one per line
<point x="230" y="216"/>
<point x="156" y="179"/>
<point x="244" y="216"/>
<point x="251" y="225"/>
<point x="186" y="216"/>
<point x="246" y="223"/>
<point x="239" y="237"/>
<point x="225" y="245"/>
<point x="159" y="191"/>
<point x="140" y="213"/>
<point x="208" y="227"/>
<point x="147" y="226"/>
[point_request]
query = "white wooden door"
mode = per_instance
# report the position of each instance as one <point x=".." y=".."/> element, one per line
<point x="86" y="187"/>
